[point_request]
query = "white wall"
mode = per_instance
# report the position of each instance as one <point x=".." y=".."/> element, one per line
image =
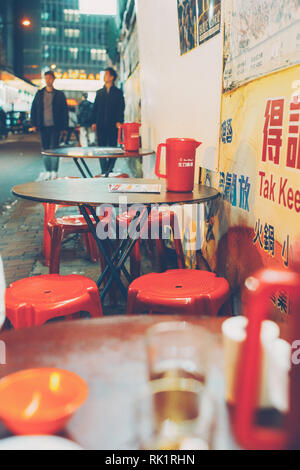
<point x="181" y="95"/>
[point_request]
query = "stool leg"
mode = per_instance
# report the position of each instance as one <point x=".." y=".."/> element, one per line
<point x="135" y="260"/>
<point x="131" y="302"/>
<point x="92" y="247"/>
<point x="23" y="317"/>
<point x="94" y="305"/>
<point x="177" y="241"/>
<point x="49" y="213"/>
<point x="160" y="250"/>
<point x="57" y="235"/>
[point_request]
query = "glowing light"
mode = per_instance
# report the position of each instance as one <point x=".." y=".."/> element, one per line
<point x="26" y="22"/>
<point x="54" y="382"/>
<point x="33" y="406"/>
<point x="101" y="7"/>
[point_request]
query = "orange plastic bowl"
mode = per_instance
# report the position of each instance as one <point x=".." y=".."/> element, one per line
<point x="40" y="401"/>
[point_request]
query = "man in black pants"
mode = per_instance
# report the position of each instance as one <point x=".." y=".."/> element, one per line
<point x="107" y="116"/>
<point x="49" y="115"/>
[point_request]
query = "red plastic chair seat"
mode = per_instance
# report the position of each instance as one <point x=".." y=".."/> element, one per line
<point x="34" y="300"/>
<point x="70" y="222"/>
<point x="159" y="218"/>
<point x="182" y="291"/>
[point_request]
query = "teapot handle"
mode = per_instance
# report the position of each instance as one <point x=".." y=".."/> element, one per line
<point x="260" y="288"/>
<point x="157" y="163"/>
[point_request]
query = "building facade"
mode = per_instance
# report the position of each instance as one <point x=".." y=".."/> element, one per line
<point x="19" y="46"/>
<point x="73" y="44"/>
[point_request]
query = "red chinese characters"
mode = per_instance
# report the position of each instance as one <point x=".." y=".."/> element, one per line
<point x="293" y="144"/>
<point x="272" y="141"/>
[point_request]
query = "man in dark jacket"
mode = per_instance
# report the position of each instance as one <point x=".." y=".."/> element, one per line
<point x="108" y="114"/>
<point x="49" y="115"/>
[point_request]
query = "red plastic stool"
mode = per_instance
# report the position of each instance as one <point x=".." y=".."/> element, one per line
<point x="181" y="291"/>
<point x="34" y="300"/>
<point x="67" y="225"/>
<point x="49" y="213"/>
<point x="158" y="219"/>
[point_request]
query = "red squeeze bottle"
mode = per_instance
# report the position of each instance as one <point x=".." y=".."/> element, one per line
<point x="260" y="288"/>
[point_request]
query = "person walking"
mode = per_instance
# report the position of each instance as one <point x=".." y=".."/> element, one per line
<point x="49" y="115"/>
<point x="84" y="116"/>
<point x="108" y="114"/>
<point x="72" y="129"/>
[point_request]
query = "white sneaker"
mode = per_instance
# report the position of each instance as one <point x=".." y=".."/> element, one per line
<point x="53" y="175"/>
<point x="41" y="176"/>
<point x="44" y="176"/>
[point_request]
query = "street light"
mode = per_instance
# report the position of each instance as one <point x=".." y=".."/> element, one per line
<point x="25" y="22"/>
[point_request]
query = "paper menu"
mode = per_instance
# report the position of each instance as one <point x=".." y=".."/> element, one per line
<point x="134" y="188"/>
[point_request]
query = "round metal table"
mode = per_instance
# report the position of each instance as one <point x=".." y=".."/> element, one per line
<point x="109" y="354"/>
<point x="94" y="192"/>
<point x="89" y="193"/>
<point x="80" y="154"/>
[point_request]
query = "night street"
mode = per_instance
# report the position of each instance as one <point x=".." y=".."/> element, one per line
<point x="20" y="162"/>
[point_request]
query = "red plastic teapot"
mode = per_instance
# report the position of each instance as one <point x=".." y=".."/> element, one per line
<point x="131" y="136"/>
<point x="180" y="163"/>
<point x="260" y="288"/>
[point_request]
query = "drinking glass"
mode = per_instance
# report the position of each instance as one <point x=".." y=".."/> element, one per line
<point x="175" y="414"/>
<point x="178" y="349"/>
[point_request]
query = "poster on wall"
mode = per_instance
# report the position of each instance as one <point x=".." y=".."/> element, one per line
<point x="257" y="222"/>
<point x="209" y="19"/>
<point x="261" y="36"/>
<point x="187" y="23"/>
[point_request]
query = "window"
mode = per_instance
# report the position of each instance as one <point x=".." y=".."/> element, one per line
<point x="45" y="15"/>
<point x="72" y="15"/>
<point x="72" y="33"/>
<point x="46" y="52"/>
<point x="98" y="54"/>
<point x="47" y="31"/>
<point x="73" y="52"/>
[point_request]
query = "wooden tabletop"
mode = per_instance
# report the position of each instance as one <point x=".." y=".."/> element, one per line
<point x="94" y="191"/>
<point x="95" y="152"/>
<point x="109" y="354"/>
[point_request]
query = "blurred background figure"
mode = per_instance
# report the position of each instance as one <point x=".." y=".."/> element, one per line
<point x="84" y="116"/>
<point x="3" y="130"/>
<point x="72" y="126"/>
<point x="108" y="114"/>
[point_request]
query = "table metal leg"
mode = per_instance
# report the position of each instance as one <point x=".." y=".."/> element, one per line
<point x="87" y="168"/>
<point x="110" y="165"/>
<point x="77" y="163"/>
<point x="115" y="272"/>
<point x="114" y="251"/>
<point x="123" y="251"/>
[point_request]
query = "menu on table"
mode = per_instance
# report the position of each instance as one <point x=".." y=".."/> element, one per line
<point x="134" y="188"/>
